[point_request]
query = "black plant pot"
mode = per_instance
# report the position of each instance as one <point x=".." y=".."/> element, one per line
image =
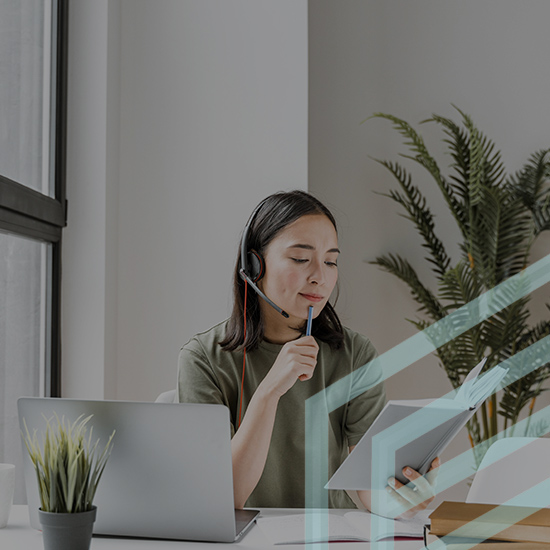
<point x="67" y="531"/>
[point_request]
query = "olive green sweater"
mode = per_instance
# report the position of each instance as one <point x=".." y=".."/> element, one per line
<point x="207" y="374"/>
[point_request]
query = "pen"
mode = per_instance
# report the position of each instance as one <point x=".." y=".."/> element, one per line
<point x="309" y="319"/>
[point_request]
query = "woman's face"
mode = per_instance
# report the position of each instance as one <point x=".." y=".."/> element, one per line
<point x="300" y="270"/>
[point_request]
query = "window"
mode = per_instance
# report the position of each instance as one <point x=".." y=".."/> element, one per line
<point x="33" y="37"/>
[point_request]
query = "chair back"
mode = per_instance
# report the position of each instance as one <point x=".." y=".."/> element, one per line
<point x="169" y="396"/>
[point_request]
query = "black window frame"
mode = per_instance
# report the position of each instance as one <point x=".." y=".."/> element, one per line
<point x="29" y="213"/>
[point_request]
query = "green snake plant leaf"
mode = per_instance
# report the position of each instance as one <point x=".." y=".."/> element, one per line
<point x="67" y="469"/>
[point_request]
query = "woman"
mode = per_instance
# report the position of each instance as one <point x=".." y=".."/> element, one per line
<point x="262" y="366"/>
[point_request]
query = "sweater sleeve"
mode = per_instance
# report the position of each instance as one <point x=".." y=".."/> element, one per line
<point x="197" y="381"/>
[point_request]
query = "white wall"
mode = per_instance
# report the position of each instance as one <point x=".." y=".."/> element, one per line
<point x="412" y="59"/>
<point x="90" y="240"/>
<point x="213" y="118"/>
<point x="182" y="116"/>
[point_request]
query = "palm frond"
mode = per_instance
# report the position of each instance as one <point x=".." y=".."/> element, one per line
<point x="530" y="182"/>
<point x="514" y="237"/>
<point x="534" y="334"/>
<point x="486" y="167"/>
<point x="528" y="374"/>
<point x="459" y="286"/>
<point x="415" y="205"/>
<point x="460" y="356"/>
<point x="518" y="395"/>
<point x="531" y="186"/>
<point x="416" y="144"/>
<point x="459" y="144"/>
<point x="484" y="235"/>
<point x="500" y="332"/>
<point x="403" y="270"/>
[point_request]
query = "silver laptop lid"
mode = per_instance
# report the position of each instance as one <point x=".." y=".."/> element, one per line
<point x="169" y="474"/>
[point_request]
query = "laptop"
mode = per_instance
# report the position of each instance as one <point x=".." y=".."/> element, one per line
<point x="169" y="475"/>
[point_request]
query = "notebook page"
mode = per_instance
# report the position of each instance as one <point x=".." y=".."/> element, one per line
<point x="353" y="526"/>
<point x="413" y="528"/>
<point x="291" y="529"/>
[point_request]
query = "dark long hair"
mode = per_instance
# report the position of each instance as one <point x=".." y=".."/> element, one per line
<point x="277" y="212"/>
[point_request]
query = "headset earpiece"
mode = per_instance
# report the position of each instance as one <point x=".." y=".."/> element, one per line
<point x="256" y="266"/>
<point x="252" y="265"/>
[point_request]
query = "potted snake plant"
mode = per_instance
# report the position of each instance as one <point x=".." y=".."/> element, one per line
<point x="68" y="467"/>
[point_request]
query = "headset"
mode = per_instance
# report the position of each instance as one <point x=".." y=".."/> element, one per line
<point x="251" y="271"/>
<point x="253" y="265"/>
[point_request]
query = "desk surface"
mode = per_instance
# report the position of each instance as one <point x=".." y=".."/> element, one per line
<point x="18" y="535"/>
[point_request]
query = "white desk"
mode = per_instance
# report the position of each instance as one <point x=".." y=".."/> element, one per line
<point x="18" y="535"/>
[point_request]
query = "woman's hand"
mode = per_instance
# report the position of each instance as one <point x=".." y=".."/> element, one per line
<point x="417" y="494"/>
<point x="296" y="360"/>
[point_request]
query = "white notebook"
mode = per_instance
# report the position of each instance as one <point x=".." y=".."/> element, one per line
<point x="437" y="423"/>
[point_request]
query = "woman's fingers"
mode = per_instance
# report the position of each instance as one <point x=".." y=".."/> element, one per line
<point x="425" y="483"/>
<point x="307" y="346"/>
<point x="421" y="484"/>
<point x="419" y="492"/>
<point x="408" y="492"/>
<point x="306" y="350"/>
<point x="296" y="360"/>
<point x="309" y="370"/>
<point x="432" y="473"/>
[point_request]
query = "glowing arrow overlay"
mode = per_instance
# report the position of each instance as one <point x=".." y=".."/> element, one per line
<point x="318" y="407"/>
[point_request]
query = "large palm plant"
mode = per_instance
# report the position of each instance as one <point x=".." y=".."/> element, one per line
<point x="499" y="217"/>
